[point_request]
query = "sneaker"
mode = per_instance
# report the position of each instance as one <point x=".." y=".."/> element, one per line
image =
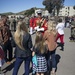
<point x="62" y="49"/>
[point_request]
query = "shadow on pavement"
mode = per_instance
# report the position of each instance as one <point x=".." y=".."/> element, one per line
<point x="8" y="68"/>
<point x="58" y="57"/>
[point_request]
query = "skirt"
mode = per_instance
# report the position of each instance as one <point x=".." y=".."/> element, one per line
<point x="41" y="64"/>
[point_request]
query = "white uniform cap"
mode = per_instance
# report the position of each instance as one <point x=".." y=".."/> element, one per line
<point x="39" y="11"/>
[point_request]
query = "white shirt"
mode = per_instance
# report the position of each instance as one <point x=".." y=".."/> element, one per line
<point x="60" y="28"/>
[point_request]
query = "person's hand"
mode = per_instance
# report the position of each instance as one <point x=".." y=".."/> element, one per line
<point x="33" y="53"/>
<point x="36" y="27"/>
<point x="31" y="49"/>
<point x="40" y="29"/>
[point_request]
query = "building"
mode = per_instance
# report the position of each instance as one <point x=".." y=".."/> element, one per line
<point x="67" y="11"/>
<point x="16" y="16"/>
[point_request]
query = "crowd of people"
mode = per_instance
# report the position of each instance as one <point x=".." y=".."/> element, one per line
<point x="44" y="49"/>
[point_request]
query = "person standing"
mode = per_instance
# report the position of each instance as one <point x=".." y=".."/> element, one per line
<point x="40" y="24"/>
<point x="60" y="29"/>
<point x="14" y="23"/>
<point x="40" y="50"/>
<point x="26" y="20"/>
<point x="31" y="21"/>
<point x="50" y="36"/>
<point x="23" y="51"/>
<point x="72" y="38"/>
<point x="6" y="35"/>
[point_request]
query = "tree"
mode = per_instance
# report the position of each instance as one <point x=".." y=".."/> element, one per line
<point x="58" y="5"/>
<point x="48" y="5"/>
<point x="53" y="4"/>
<point x="29" y="12"/>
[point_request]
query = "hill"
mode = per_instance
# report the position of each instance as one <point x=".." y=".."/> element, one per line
<point x="7" y="13"/>
<point x="25" y="12"/>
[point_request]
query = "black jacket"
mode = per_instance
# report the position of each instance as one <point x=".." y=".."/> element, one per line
<point x="27" y="44"/>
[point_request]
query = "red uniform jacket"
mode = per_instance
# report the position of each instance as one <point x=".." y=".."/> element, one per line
<point x="43" y="22"/>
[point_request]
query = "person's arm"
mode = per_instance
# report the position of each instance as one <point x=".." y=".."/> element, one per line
<point x="33" y="53"/>
<point x="34" y="50"/>
<point x="57" y="27"/>
<point x="30" y="42"/>
<point x="31" y="22"/>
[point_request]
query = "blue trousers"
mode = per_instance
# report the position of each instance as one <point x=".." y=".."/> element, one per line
<point x="53" y="59"/>
<point x="19" y="61"/>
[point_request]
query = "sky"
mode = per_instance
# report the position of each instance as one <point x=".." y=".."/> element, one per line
<point x="21" y="5"/>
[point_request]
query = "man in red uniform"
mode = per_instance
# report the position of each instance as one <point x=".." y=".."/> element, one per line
<point x="40" y="24"/>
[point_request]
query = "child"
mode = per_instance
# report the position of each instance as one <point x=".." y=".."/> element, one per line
<point x="60" y="30"/>
<point x="40" y="50"/>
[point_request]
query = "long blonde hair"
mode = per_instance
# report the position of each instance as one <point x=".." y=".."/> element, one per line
<point x="18" y="35"/>
<point x="52" y="27"/>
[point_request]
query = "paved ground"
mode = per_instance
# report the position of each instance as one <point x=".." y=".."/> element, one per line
<point x="65" y="59"/>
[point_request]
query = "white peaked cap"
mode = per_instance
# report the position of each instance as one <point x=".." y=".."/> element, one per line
<point x="39" y="11"/>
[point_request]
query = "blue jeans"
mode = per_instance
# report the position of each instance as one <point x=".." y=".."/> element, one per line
<point x="53" y="59"/>
<point x="19" y="61"/>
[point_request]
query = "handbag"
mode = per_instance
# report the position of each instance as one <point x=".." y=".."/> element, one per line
<point x="34" y="59"/>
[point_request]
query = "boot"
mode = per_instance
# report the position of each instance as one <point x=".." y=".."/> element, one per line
<point x="62" y="47"/>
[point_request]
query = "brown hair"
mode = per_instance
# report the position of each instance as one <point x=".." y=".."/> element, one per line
<point x="39" y="41"/>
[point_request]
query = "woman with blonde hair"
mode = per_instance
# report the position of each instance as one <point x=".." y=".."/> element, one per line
<point x="23" y="48"/>
<point x="50" y="36"/>
<point x="40" y="50"/>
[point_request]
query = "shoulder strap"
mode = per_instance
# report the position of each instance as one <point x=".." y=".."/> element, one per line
<point x="42" y="21"/>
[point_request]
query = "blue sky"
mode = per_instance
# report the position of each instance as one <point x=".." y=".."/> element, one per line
<point x="20" y="5"/>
